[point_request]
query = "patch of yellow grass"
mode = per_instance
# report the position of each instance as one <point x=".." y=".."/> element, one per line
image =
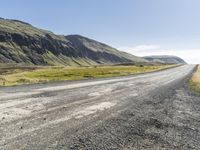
<point x="46" y="74"/>
<point x="195" y="81"/>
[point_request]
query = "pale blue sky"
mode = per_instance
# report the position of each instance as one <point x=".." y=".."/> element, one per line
<point x="141" y="27"/>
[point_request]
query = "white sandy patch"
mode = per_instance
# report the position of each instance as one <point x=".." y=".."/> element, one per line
<point x="17" y="95"/>
<point x="35" y="107"/>
<point x="14" y="113"/>
<point x="77" y="114"/>
<point x="133" y="94"/>
<point x="93" y="109"/>
<point x="94" y="94"/>
<point x="44" y="125"/>
<point x="33" y="102"/>
<point x="13" y="103"/>
<point x="102" y="92"/>
<point x="79" y="85"/>
<point x="21" y="108"/>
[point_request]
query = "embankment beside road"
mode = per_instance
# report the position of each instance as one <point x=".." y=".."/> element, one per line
<point x="195" y="81"/>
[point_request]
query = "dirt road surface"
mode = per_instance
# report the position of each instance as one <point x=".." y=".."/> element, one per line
<point x="147" y="111"/>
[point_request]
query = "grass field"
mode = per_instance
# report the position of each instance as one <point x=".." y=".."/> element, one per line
<point x="28" y="75"/>
<point x="195" y="81"/>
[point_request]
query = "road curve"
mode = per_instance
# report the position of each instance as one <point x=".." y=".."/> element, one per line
<point x="144" y="111"/>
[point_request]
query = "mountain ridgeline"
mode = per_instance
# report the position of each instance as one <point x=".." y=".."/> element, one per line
<point x="165" y="59"/>
<point x="22" y="43"/>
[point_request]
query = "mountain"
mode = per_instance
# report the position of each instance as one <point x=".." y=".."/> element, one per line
<point x="23" y="43"/>
<point x="166" y="59"/>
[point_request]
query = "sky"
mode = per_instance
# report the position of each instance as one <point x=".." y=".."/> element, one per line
<point x="140" y="27"/>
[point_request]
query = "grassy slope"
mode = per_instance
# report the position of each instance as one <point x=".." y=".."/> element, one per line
<point x="17" y="76"/>
<point x="195" y="81"/>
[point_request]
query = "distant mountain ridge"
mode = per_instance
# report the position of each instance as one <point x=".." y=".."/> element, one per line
<point x="23" y="43"/>
<point x="166" y="59"/>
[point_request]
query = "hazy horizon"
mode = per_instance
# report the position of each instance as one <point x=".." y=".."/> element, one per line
<point x="136" y="26"/>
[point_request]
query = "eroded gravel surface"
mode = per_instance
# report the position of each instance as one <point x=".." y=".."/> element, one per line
<point x="149" y="111"/>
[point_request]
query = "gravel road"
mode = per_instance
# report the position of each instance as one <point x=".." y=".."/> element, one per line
<point x="147" y="111"/>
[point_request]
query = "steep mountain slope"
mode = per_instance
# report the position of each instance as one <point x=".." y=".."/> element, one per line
<point x="101" y="51"/>
<point x="166" y="59"/>
<point x="22" y="43"/>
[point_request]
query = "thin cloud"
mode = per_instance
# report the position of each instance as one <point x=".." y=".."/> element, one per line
<point x="140" y="48"/>
<point x="189" y="55"/>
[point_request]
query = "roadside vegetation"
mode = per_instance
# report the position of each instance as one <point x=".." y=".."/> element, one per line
<point x="195" y="81"/>
<point x="27" y="75"/>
